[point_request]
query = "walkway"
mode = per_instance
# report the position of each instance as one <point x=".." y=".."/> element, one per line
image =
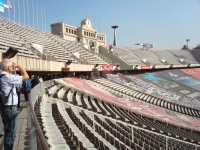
<point x="22" y="131"/>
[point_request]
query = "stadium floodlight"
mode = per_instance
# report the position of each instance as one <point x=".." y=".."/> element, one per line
<point x="187" y="43"/>
<point x="114" y="28"/>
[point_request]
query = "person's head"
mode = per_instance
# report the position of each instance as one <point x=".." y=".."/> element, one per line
<point x="7" y="66"/>
<point x="96" y="65"/>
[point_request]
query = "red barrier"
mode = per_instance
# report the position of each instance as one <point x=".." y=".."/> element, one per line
<point x="106" y="67"/>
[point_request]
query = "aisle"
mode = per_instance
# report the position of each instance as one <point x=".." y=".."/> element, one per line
<point x="21" y="140"/>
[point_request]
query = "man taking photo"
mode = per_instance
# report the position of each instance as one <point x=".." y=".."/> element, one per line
<point x="9" y="81"/>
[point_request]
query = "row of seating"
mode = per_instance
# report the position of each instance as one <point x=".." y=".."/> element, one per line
<point x="137" y="83"/>
<point x="8" y="39"/>
<point x="22" y="37"/>
<point x="154" y="57"/>
<point x="84" y="120"/>
<point x="74" y="47"/>
<point x="125" y="90"/>
<point x="81" y="100"/>
<point x="66" y="129"/>
<point x="90" y="133"/>
<point x="162" y="88"/>
<point x="48" y="123"/>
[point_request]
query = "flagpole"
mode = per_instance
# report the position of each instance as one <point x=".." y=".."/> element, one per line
<point x="9" y="14"/>
<point x="24" y="11"/>
<point x="10" y="8"/>
<point x="18" y="12"/>
<point x="37" y="17"/>
<point x="41" y="17"/>
<point x="13" y="5"/>
<point x="45" y="19"/>
<point x="27" y="12"/>
<point x="32" y="7"/>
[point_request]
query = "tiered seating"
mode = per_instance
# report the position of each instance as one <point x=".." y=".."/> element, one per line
<point x="73" y="47"/>
<point x="8" y="39"/>
<point x="125" y="90"/>
<point x="30" y="35"/>
<point x="44" y="115"/>
<point x="69" y="131"/>
<point x="127" y="56"/>
<point x="149" y="56"/>
<point x="167" y="55"/>
<point x="184" y="54"/>
<point x="162" y="89"/>
<point x="62" y="50"/>
<point x="91" y="114"/>
<point x="155" y="57"/>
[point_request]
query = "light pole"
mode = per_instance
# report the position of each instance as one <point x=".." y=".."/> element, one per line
<point x="114" y="28"/>
<point x="187" y="43"/>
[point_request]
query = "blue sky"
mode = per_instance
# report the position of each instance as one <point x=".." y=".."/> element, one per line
<point x="165" y="23"/>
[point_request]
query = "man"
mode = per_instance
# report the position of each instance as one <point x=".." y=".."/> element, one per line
<point x="9" y="82"/>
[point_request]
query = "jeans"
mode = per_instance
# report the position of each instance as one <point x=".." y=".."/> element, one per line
<point x="9" y="114"/>
<point x="1" y="127"/>
<point x="27" y="95"/>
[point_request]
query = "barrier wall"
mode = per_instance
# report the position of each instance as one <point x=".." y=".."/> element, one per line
<point x="36" y="64"/>
<point x="82" y="67"/>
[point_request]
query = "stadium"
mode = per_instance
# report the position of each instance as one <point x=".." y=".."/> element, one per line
<point x="92" y="95"/>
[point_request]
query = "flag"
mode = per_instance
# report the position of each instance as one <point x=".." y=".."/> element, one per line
<point x="1" y="9"/>
<point x="2" y="3"/>
<point x="5" y="4"/>
<point x="8" y="4"/>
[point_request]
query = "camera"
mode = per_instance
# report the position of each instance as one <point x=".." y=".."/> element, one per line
<point x="10" y="53"/>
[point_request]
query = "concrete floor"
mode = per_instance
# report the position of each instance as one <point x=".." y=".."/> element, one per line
<point x="22" y="131"/>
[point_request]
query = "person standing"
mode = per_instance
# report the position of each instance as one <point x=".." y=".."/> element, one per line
<point x="9" y="81"/>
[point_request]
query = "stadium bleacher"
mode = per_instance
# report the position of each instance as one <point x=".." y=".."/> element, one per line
<point x="155" y="57"/>
<point x="84" y="121"/>
<point x="150" y="111"/>
<point x="22" y="37"/>
<point x="162" y="88"/>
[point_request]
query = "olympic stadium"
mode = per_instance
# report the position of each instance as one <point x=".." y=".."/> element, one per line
<point x="94" y="96"/>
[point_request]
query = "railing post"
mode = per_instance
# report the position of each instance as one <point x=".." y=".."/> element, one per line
<point x="166" y="143"/>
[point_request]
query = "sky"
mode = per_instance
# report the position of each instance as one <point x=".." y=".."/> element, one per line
<point x="164" y="23"/>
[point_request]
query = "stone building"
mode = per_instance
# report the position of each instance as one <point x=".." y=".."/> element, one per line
<point x="85" y="34"/>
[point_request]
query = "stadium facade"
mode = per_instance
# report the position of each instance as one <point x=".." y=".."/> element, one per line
<point x="85" y="34"/>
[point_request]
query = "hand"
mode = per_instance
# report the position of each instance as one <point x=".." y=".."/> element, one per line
<point x="18" y="67"/>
